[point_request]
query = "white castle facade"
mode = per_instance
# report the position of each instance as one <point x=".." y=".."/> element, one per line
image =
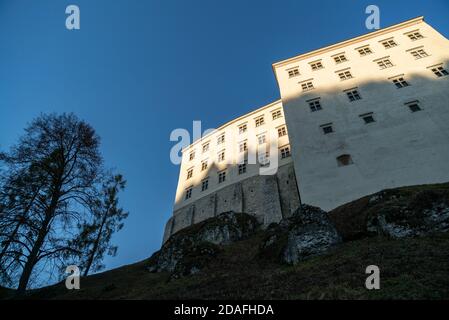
<point x="354" y="118"/>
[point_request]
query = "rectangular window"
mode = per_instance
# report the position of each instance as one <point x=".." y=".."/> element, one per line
<point x="389" y="44"/>
<point x="327" y="128"/>
<point x="315" y="105"/>
<point x="221" y="176"/>
<point x="306" y="86"/>
<point x="205" y="147"/>
<point x="413" y="106"/>
<point x="364" y="51"/>
<point x="243" y="146"/>
<point x="188" y="193"/>
<point x="242" y="168"/>
<point x="264" y="158"/>
<point x="277" y="114"/>
<point x="205" y="185"/>
<point x="221" y="139"/>
<point x="419" y="54"/>
<point x="282" y="131"/>
<point x="243" y="128"/>
<point x="261" y="139"/>
<point x="353" y="95"/>
<point x="384" y="63"/>
<point x="415" y="36"/>
<point x="439" y="71"/>
<point x="204" y="165"/>
<point x="189" y="173"/>
<point x="293" y="72"/>
<point x="345" y="75"/>
<point x="316" y="65"/>
<point x="285" y="152"/>
<point x="260" y="121"/>
<point x="221" y="156"/>
<point x="367" y="117"/>
<point x="400" y="82"/>
<point x="192" y="155"/>
<point x="340" y="58"/>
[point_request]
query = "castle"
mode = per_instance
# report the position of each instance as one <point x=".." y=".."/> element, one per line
<point x="356" y="117"/>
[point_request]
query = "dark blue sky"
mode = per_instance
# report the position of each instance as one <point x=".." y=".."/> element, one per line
<point x="139" y="69"/>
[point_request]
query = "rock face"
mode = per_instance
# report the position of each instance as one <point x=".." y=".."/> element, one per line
<point x="307" y="233"/>
<point x="189" y="250"/>
<point x="424" y="213"/>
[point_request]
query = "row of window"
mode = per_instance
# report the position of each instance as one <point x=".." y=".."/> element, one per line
<point x="364" y="51"/>
<point x="242" y="168"/>
<point x="367" y="118"/>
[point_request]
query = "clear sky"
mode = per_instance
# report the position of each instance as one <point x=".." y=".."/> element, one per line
<point x="139" y="69"/>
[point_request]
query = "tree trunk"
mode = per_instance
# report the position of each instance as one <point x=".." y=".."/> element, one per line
<point x="96" y="243"/>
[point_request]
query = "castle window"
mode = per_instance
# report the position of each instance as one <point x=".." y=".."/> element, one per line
<point x="204" y="165"/>
<point x="293" y="72"/>
<point x="242" y="168"/>
<point x="439" y="71"/>
<point x="364" y="51"/>
<point x="264" y="158"/>
<point x="367" y="117"/>
<point x="340" y="58"/>
<point x="384" y="63"/>
<point x="260" y="121"/>
<point x="243" y="146"/>
<point x="413" y="106"/>
<point x="205" y="185"/>
<point x="221" y="156"/>
<point x="327" y="128"/>
<point x="277" y="114"/>
<point x="307" y="86"/>
<point x="285" y="152"/>
<point x="315" y="105"/>
<point x="353" y="95"/>
<point x="344" y="75"/>
<point x="221" y="139"/>
<point x="188" y="193"/>
<point x="316" y="65"/>
<point x="243" y="128"/>
<point x="419" y="54"/>
<point x="192" y="155"/>
<point x="389" y="43"/>
<point x="190" y="173"/>
<point x="282" y="131"/>
<point x="261" y="139"/>
<point x="205" y="147"/>
<point x="400" y="82"/>
<point x="221" y="176"/>
<point x="415" y="36"/>
<point x="344" y="160"/>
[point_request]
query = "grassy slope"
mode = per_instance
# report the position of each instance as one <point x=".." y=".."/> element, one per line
<point x="410" y="269"/>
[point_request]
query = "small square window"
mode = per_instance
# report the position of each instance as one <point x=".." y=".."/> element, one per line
<point x="205" y="185"/>
<point x="419" y="54"/>
<point x="277" y="114"/>
<point x="367" y="118"/>
<point x="344" y="160"/>
<point x="327" y="128"/>
<point x="293" y="72"/>
<point x="285" y="152"/>
<point x="242" y="168"/>
<point x="364" y="51"/>
<point x="205" y="147"/>
<point x="440" y="71"/>
<point x="221" y="139"/>
<point x="306" y="86"/>
<point x="389" y="44"/>
<point x="188" y="193"/>
<point x="384" y="64"/>
<point x="315" y="105"/>
<point x="413" y="106"/>
<point x="189" y="173"/>
<point x="221" y="176"/>
<point x="260" y="121"/>
<point x="204" y="165"/>
<point x="261" y="139"/>
<point x="340" y="58"/>
<point x="243" y="128"/>
<point x="345" y="75"/>
<point x="353" y="95"/>
<point x="316" y="65"/>
<point x="264" y="158"/>
<point x="282" y="131"/>
<point x="415" y="36"/>
<point x="400" y="82"/>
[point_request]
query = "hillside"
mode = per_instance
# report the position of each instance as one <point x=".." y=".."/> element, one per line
<point x="390" y="229"/>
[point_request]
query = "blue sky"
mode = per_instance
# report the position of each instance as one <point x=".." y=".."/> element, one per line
<point x="139" y="69"/>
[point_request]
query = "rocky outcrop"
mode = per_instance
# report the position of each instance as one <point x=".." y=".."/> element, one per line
<point x="309" y="232"/>
<point x="424" y="213"/>
<point x="189" y="250"/>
